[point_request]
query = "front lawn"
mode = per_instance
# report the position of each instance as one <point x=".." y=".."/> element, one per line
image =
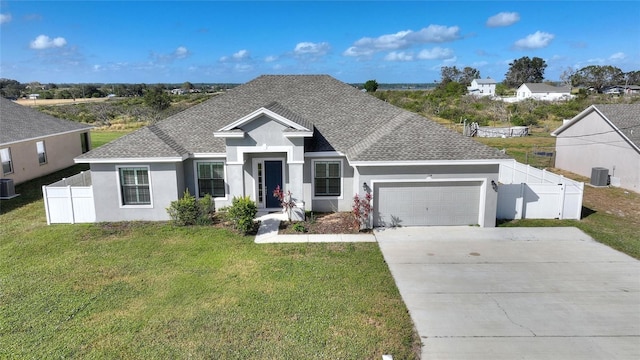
<point x="153" y="290"/>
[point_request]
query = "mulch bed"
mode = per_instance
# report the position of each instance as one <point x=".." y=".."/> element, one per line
<point x="323" y="223"/>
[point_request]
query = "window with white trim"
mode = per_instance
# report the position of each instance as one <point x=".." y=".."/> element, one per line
<point x="327" y="178"/>
<point x="211" y="179"/>
<point x="134" y="186"/>
<point x="42" y="153"/>
<point x="7" y="164"/>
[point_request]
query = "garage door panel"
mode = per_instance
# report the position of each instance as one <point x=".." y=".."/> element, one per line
<point x="419" y="204"/>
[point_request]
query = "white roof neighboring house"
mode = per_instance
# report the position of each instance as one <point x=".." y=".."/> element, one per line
<point x="540" y="91"/>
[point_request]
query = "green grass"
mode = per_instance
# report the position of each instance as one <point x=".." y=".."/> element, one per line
<point x="608" y="229"/>
<point x="153" y="290"/>
<point x="100" y="137"/>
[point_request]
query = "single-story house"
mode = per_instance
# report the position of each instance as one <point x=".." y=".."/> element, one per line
<point x="602" y="136"/>
<point x="632" y="89"/>
<point x="321" y="139"/>
<point x="33" y="144"/>
<point x="539" y="91"/>
<point x="482" y="87"/>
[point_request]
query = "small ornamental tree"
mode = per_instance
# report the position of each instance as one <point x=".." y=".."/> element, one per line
<point x="361" y="209"/>
<point x="286" y="201"/>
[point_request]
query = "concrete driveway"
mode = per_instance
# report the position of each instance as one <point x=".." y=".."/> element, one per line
<point x="515" y="293"/>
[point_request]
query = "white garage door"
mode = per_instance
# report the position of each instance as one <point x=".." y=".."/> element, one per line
<point x="432" y="203"/>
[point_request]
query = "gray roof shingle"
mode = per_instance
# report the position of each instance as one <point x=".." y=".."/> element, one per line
<point x="343" y="118"/>
<point x="545" y="88"/>
<point x="18" y="123"/>
<point x="626" y="117"/>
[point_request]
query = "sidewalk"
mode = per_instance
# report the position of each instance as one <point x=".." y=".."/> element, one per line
<point x="268" y="233"/>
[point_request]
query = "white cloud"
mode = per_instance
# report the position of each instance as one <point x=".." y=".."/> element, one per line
<point x="536" y="40"/>
<point x="243" y="67"/>
<point x="617" y="56"/>
<point x="181" y="52"/>
<point x="270" y="58"/>
<point x="5" y="18"/>
<point x="240" y="55"/>
<point x="399" y="56"/>
<point x="368" y="46"/>
<point x="503" y="19"/>
<point x="435" y="53"/>
<point x="311" y="49"/>
<point x="45" y="42"/>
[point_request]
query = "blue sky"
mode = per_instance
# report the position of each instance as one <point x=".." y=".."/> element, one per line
<point x="390" y="41"/>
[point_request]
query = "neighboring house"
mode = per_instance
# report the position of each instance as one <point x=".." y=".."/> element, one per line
<point x="632" y="89"/>
<point x="33" y="144"/>
<point x="315" y="136"/>
<point x="482" y="87"/>
<point x="602" y="136"/>
<point x="539" y="91"/>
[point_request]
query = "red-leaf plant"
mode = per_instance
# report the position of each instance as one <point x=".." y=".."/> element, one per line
<point x="361" y="209"/>
<point x="286" y="201"/>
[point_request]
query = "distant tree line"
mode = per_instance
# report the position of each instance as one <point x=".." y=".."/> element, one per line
<point x="531" y="70"/>
<point x="13" y="89"/>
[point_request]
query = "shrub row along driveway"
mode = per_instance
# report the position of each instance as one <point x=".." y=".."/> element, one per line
<point x="507" y="293"/>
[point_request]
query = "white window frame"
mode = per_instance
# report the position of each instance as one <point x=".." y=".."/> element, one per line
<point x="119" y="183"/>
<point x="9" y="160"/>
<point x="313" y="179"/>
<point x="224" y="170"/>
<point x="41" y="149"/>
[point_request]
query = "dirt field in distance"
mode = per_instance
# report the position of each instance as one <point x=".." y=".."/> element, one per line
<point x="40" y="102"/>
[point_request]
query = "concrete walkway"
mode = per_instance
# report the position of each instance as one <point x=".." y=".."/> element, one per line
<point x="515" y="293"/>
<point x="268" y="233"/>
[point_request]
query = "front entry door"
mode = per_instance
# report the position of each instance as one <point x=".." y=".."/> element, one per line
<point x="273" y="178"/>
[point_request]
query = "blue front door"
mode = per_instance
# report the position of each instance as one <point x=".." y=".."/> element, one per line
<point x="273" y="178"/>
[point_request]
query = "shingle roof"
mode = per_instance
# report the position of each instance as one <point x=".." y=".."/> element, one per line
<point x="485" y="81"/>
<point x="624" y="117"/>
<point x="18" y="123"/>
<point x="343" y="118"/>
<point x="545" y="88"/>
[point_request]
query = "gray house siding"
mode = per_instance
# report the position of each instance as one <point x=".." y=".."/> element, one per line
<point x="328" y="203"/>
<point x="164" y="183"/>
<point x="592" y="142"/>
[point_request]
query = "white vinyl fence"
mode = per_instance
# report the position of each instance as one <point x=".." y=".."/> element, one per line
<point x="70" y="200"/>
<point x="525" y="192"/>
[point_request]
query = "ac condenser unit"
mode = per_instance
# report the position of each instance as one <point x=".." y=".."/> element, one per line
<point x="7" y="190"/>
<point x="599" y="176"/>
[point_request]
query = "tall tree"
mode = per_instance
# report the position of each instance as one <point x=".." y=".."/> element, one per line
<point x="157" y="98"/>
<point x="598" y="76"/>
<point x="448" y="74"/>
<point x="371" y="86"/>
<point x="468" y="75"/>
<point x="525" y="70"/>
<point x="464" y="76"/>
<point x="632" y="78"/>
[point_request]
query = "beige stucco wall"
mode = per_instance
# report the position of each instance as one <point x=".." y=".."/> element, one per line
<point x="60" y="150"/>
<point x="579" y="150"/>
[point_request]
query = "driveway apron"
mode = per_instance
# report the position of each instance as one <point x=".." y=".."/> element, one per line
<point x="515" y="293"/>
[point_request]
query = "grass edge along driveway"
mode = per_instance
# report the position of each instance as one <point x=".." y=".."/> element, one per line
<point x="140" y="290"/>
